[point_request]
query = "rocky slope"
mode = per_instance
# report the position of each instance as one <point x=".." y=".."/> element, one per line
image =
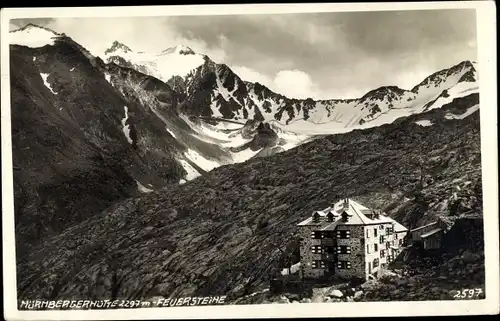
<point x="86" y="134"/>
<point x="222" y="233"/>
<point x="72" y="142"/>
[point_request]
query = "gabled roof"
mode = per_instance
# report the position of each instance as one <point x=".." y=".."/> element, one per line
<point x="398" y="227"/>
<point x="357" y="215"/>
<point x="431" y="233"/>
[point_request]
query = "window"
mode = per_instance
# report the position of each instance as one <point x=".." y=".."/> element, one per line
<point x="343" y="264"/>
<point x="395" y="235"/>
<point x="368" y="248"/>
<point x="343" y="250"/>
<point x="375" y="263"/>
<point x="317" y="249"/>
<point x="389" y="230"/>
<point x="382" y="253"/>
<point x="387" y="245"/>
<point x="328" y="234"/>
<point x="400" y="242"/>
<point x="316" y="234"/>
<point x="381" y="227"/>
<point x="343" y="234"/>
<point x="318" y="264"/>
<point x="367" y="233"/>
<point x="329" y="249"/>
<point x="375" y="247"/>
<point x="375" y="232"/>
<point x="382" y="239"/>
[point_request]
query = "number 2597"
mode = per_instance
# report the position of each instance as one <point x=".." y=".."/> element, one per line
<point x="467" y="293"/>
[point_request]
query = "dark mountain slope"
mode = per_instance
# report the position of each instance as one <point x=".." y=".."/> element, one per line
<point x="221" y="233"/>
<point x="71" y="143"/>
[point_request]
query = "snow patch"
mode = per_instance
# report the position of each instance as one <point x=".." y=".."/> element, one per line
<point x="34" y="58"/>
<point x="142" y="188"/>
<point x="171" y="132"/>
<point x="126" y="128"/>
<point x="191" y="172"/>
<point x="469" y="111"/>
<point x="107" y="77"/>
<point x="244" y="155"/>
<point x="204" y="163"/>
<point x="182" y="181"/>
<point x="46" y="83"/>
<point x="424" y="123"/>
<point x="72" y="69"/>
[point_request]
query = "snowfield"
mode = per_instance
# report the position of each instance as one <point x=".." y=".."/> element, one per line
<point x="191" y="172"/>
<point x="170" y="62"/>
<point x="204" y="163"/>
<point x="33" y="37"/>
<point x="469" y="112"/>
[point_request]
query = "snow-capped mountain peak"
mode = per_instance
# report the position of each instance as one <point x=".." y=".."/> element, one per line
<point x="180" y="50"/>
<point x="117" y="47"/>
<point x="174" y="61"/>
<point x="33" y="36"/>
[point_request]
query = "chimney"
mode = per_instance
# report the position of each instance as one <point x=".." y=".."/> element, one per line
<point x="345" y="217"/>
<point x="346" y="204"/>
<point x="376" y="214"/>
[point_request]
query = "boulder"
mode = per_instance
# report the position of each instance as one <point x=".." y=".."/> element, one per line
<point x="369" y="285"/>
<point x="470" y="257"/>
<point x="293" y="296"/>
<point x="358" y="294"/>
<point x="336" y="293"/>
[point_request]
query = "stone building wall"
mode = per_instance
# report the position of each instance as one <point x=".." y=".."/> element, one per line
<point x="306" y="254"/>
<point x="357" y="253"/>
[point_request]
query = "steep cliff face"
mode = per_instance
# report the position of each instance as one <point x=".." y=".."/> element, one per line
<point x="79" y="142"/>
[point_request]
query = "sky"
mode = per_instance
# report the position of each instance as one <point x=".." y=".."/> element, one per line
<point x="318" y="55"/>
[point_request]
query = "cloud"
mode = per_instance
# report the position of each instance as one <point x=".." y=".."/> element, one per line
<point x="252" y="75"/>
<point x="295" y="84"/>
<point x="291" y="83"/>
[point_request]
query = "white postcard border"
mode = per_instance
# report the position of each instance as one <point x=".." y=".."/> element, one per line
<point x="486" y="39"/>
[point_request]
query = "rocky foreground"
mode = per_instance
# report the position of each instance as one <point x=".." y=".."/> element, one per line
<point x="431" y="279"/>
